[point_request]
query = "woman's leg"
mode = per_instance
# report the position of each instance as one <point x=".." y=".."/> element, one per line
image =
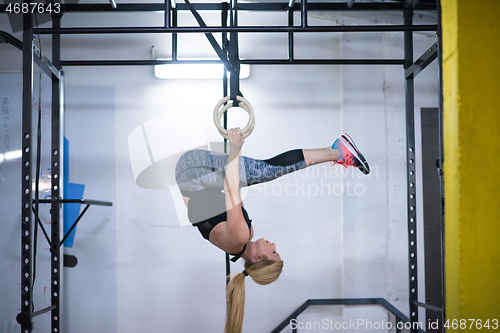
<point x="261" y="171"/>
<point x="199" y="170"/>
<point x="321" y="155"/>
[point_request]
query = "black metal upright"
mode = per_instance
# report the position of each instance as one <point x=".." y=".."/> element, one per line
<point x="25" y="317"/>
<point x="234" y="58"/>
<point x="303" y="13"/>
<point x="410" y="169"/>
<point x="55" y="210"/>
<point x="174" y="35"/>
<point x="168" y="6"/>
<point x="224" y="13"/>
<point x="290" y="34"/>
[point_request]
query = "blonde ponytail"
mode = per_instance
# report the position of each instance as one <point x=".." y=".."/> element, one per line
<point x="262" y="272"/>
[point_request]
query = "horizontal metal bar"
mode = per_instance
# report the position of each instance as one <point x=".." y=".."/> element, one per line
<point x="248" y="29"/>
<point x="311" y="6"/>
<point x="324" y="62"/>
<point x="342" y="301"/>
<point x="95" y="202"/>
<point x="39" y="312"/>
<point x="346" y="301"/>
<point x="243" y="61"/>
<point x="8" y="38"/>
<point x="430" y="307"/>
<point x="421" y="63"/>
<point x="80" y="201"/>
<point x="360" y="301"/>
<point x="133" y="62"/>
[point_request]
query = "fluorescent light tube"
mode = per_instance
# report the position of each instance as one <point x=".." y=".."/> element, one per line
<point x="195" y="71"/>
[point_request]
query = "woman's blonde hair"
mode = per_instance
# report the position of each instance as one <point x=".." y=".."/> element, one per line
<point x="262" y="272"/>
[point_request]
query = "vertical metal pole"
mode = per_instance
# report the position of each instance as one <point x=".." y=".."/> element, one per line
<point x="234" y="58"/>
<point x="303" y="13"/>
<point x="168" y="6"/>
<point x="410" y="168"/>
<point x="224" y="14"/>
<point x="290" y="34"/>
<point x="441" y="158"/>
<point x="225" y="93"/>
<point x="25" y="317"/>
<point x="55" y="210"/>
<point x="174" y="35"/>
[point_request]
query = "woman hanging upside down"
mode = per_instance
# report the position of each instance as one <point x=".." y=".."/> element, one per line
<point x="210" y="184"/>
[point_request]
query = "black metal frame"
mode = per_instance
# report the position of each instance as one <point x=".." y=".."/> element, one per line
<point x="30" y="54"/>
<point x="400" y="317"/>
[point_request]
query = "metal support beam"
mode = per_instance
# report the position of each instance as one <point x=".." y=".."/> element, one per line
<point x="55" y="207"/>
<point x="47" y="309"/>
<point x="303" y="13"/>
<point x="42" y="227"/>
<point x="74" y="224"/>
<point x="169" y="5"/>
<point x="174" y="35"/>
<point x="167" y="15"/>
<point x="211" y="38"/>
<point x="39" y="58"/>
<point x="80" y="201"/>
<point x="8" y="38"/>
<point x="26" y="316"/>
<point x="290" y="34"/>
<point x="343" y="301"/>
<point x="399" y="62"/>
<point x="45" y="63"/>
<point x="247" y="29"/>
<point x="421" y="63"/>
<point x="234" y="55"/>
<point x="411" y="179"/>
<point x="430" y="307"/>
<point x="225" y="91"/>
<point x="256" y="6"/>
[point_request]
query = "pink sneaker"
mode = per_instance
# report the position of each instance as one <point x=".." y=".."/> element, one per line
<point x="350" y="154"/>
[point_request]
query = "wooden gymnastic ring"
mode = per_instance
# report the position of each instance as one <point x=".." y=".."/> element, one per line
<point x="244" y="104"/>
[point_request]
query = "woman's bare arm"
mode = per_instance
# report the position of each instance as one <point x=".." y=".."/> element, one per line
<point x="236" y="227"/>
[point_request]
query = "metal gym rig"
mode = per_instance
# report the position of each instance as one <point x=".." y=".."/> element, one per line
<point x="228" y="55"/>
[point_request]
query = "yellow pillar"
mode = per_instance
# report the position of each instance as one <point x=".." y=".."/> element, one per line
<point x="471" y="88"/>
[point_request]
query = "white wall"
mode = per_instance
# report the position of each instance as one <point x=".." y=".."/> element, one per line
<point x="140" y="271"/>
